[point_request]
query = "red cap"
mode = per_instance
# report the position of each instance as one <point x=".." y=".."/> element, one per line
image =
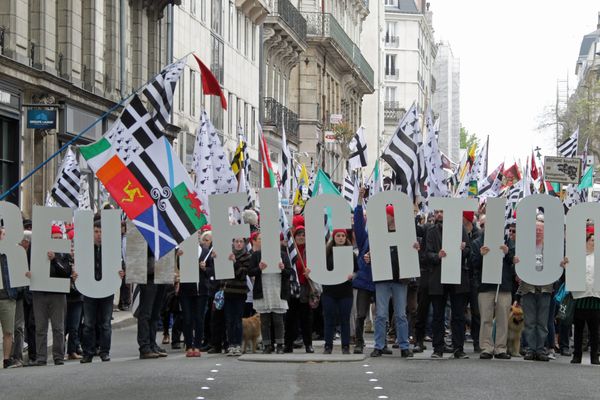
<point x="206" y="228"/>
<point x="389" y="210"/>
<point x="298" y="229"/>
<point x="469" y="215"/>
<point x="254" y="236"/>
<point x="336" y="231"/>
<point x="280" y="236"/>
<point x="589" y="229"/>
<point x="297" y="221"/>
<point x="71" y="234"/>
<point x="56" y="229"/>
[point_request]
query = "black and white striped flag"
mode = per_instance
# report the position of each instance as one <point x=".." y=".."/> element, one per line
<point x="65" y="191"/>
<point x="491" y="185"/>
<point x="160" y="92"/>
<point x="515" y="193"/>
<point x="436" y="176"/>
<point x="568" y="148"/>
<point x="358" y="150"/>
<point x="401" y="154"/>
<point x="350" y="189"/>
<point x="286" y="169"/>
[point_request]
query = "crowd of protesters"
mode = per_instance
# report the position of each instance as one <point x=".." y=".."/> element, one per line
<point x="294" y="310"/>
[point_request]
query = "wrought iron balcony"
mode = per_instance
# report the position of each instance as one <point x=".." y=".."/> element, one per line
<point x="279" y="115"/>
<point x="285" y="10"/>
<point x="392" y="112"/>
<point x="326" y="26"/>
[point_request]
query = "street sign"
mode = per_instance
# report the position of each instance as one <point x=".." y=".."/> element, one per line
<point x="41" y="119"/>
<point x="562" y="169"/>
<point x="329" y="137"/>
<point x="335" y="118"/>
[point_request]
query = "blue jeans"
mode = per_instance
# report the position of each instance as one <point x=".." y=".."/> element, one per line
<point x="194" y="310"/>
<point x="336" y="311"/>
<point x="97" y="313"/>
<point x="74" y="310"/>
<point x="536" y="307"/>
<point x="383" y="292"/>
<point x="234" y="310"/>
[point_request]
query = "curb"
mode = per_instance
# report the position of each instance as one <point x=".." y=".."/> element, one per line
<point x="302" y="358"/>
<point x="124" y="323"/>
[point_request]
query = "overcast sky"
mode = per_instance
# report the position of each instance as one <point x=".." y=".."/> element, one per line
<point x="511" y="55"/>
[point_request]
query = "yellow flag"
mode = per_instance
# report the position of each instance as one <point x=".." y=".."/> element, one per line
<point x="468" y="162"/>
<point x="302" y="184"/>
<point x="238" y="158"/>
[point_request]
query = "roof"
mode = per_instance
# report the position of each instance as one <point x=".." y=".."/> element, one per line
<point x="587" y="42"/>
<point x="405" y="6"/>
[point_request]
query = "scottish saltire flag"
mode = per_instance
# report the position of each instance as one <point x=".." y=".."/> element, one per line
<point x="358" y="150"/>
<point x="568" y="148"/>
<point x="213" y="170"/>
<point x="65" y="191"/>
<point x="137" y="165"/>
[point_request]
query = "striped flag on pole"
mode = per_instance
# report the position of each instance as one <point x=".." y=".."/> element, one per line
<point x="350" y="189"/>
<point x="65" y="191"/>
<point x="286" y="169"/>
<point x="568" y="148"/>
<point x="401" y="154"/>
<point x="269" y="180"/>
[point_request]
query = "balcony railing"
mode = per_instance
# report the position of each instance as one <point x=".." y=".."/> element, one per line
<point x="392" y="111"/>
<point x="292" y="17"/>
<point x="279" y="115"/>
<point x="326" y="25"/>
<point x="392" y="41"/>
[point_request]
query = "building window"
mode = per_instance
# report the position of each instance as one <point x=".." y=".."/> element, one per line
<point x="247" y="36"/>
<point x="253" y="117"/>
<point x="231" y="121"/>
<point x="203" y="10"/>
<point x="217" y="17"/>
<point x="182" y="92"/>
<point x="390" y="2"/>
<point x="192" y="92"/>
<point x="390" y="94"/>
<point x="216" y="113"/>
<point x="253" y="42"/>
<point x="9" y="157"/>
<point x="240" y="29"/>
<point x="390" y="33"/>
<point x="231" y="21"/>
<point x="190" y="141"/>
<point x="218" y="58"/>
<point x="390" y="65"/>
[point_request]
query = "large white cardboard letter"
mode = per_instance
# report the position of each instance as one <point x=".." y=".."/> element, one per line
<point x="110" y="253"/>
<point x="223" y="232"/>
<point x="554" y="218"/>
<point x="576" y="251"/>
<point x="343" y="259"/>
<point x="494" y="238"/>
<point x="42" y="243"/>
<point x="404" y="237"/>
<point x="452" y="234"/>
<point x="269" y="230"/>
<point x="16" y="256"/>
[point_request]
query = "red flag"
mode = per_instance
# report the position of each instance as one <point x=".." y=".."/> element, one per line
<point x="511" y="175"/>
<point x="534" y="170"/>
<point x="210" y="84"/>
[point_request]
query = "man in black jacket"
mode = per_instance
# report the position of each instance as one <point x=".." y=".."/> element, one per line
<point x="439" y="292"/>
<point x="50" y="306"/>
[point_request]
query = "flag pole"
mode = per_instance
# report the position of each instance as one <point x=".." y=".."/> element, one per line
<point x="67" y="144"/>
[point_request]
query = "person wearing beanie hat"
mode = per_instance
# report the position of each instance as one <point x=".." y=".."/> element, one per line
<point x="439" y="293"/>
<point x="271" y="293"/>
<point x="297" y="221"/>
<point x="51" y="307"/>
<point x="337" y="299"/>
<point x="299" y="313"/>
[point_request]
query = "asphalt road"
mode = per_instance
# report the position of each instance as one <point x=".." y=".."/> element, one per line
<point x="221" y="377"/>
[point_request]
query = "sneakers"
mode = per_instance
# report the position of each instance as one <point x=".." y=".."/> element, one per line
<point x="503" y="356"/>
<point x="376" y="353"/>
<point x="309" y="349"/>
<point x="529" y="356"/>
<point x="149" y="355"/>
<point x="551" y="355"/>
<point x="542" y="357"/>
<point x="358" y="349"/>
<point x="419" y="348"/>
<point x="386" y="350"/>
<point x="279" y="349"/>
<point x="437" y="354"/>
<point x="104" y="357"/>
<point x="460" y="355"/>
<point x="87" y="360"/>
<point x="161" y="352"/>
<point x="406" y="353"/>
<point x="235" y="351"/>
<point x="486" y="356"/>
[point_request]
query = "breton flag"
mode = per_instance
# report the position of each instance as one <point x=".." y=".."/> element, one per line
<point x="350" y="189"/>
<point x="492" y="184"/>
<point x="515" y="194"/>
<point x="568" y="148"/>
<point x="436" y="176"/>
<point x="84" y="194"/>
<point x="65" y="191"/>
<point x="401" y="153"/>
<point x="138" y="167"/>
<point x="286" y="166"/>
<point x="358" y="150"/>
<point x="212" y="168"/>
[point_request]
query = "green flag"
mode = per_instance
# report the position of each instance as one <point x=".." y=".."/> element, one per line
<point x="323" y="185"/>
<point x="587" y="180"/>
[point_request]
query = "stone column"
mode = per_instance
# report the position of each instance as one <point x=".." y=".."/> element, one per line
<point x="69" y="40"/>
<point x="43" y="34"/>
<point x="14" y="17"/>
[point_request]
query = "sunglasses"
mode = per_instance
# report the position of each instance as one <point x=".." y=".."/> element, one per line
<point x="512" y="230"/>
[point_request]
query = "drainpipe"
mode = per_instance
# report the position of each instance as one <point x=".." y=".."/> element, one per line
<point x="122" y="47"/>
<point x="261" y="78"/>
<point x="169" y="33"/>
